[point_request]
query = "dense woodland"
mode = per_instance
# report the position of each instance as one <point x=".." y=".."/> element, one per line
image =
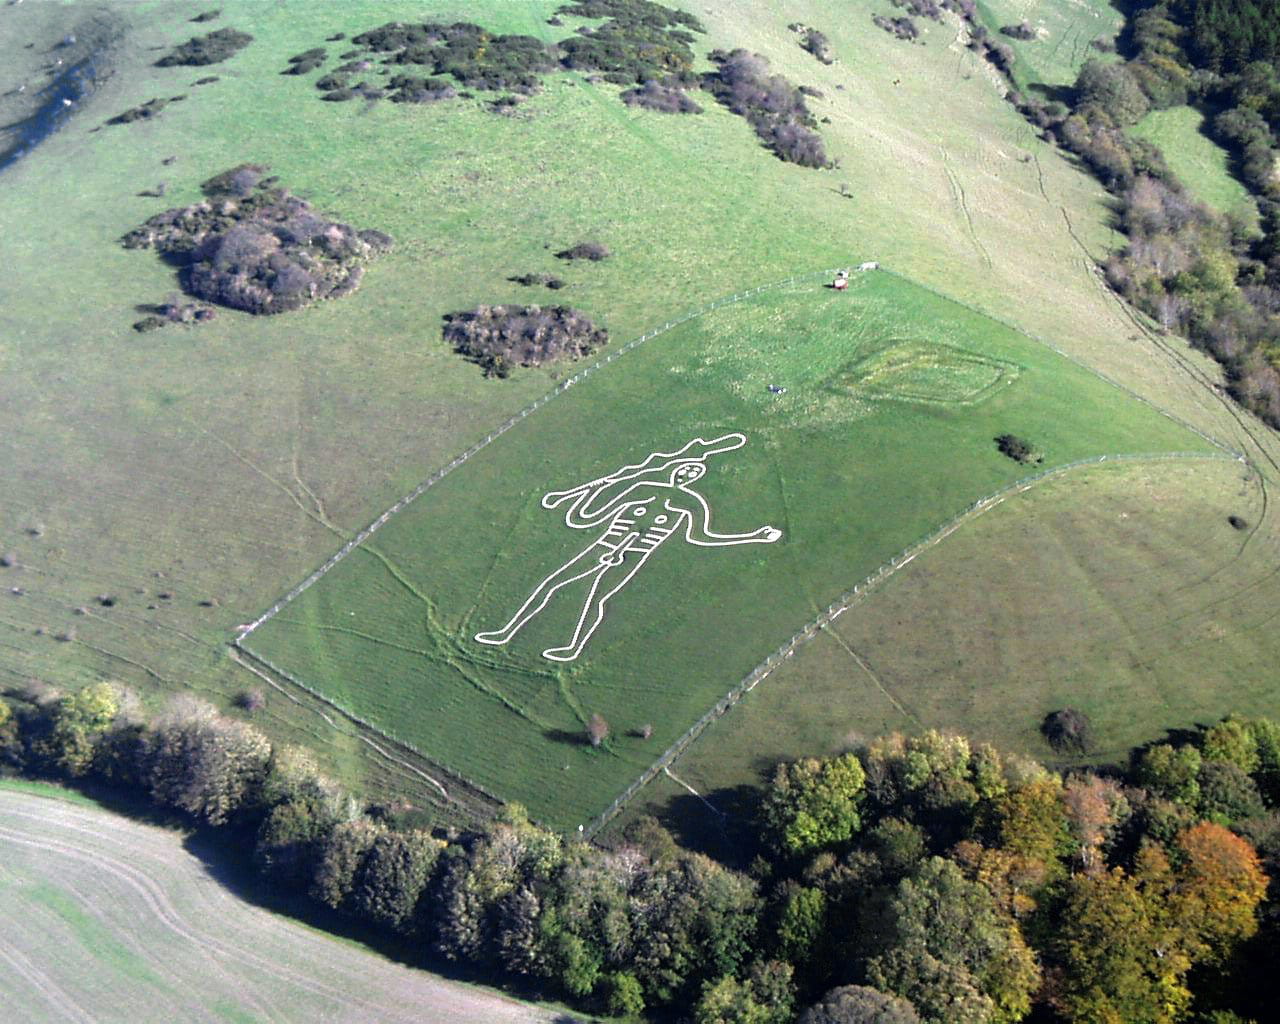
<point x="925" y="878"/>
<point x="1215" y="278"/>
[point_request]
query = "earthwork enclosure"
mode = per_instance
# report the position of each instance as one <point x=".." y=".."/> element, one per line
<point x="869" y="418"/>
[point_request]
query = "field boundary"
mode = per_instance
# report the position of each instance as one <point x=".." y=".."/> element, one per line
<point x="842" y="604"/>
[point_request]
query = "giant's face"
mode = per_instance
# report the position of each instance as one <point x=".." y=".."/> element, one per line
<point x="688" y="474"/>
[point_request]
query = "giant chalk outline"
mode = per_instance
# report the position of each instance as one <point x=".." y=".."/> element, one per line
<point x="660" y="483"/>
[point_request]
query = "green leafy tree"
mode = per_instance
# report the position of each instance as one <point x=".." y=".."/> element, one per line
<point x="392" y="876"/>
<point x="1171" y="772"/>
<point x="625" y="995"/>
<point x="1227" y="794"/>
<point x="858" y="1004"/>
<point x="1115" y="962"/>
<point x="1234" y="740"/>
<point x="341" y="856"/>
<point x="801" y="921"/>
<point x="74" y="727"/>
<point x="812" y="804"/>
<point x="204" y="764"/>
<point x="10" y="737"/>
<point x="766" y="997"/>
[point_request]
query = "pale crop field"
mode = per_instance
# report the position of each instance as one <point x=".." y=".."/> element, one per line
<point x="111" y="920"/>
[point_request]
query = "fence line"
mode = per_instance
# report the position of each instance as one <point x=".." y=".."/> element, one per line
<point x="479" y="446"/>
<point x="842" y="603"/>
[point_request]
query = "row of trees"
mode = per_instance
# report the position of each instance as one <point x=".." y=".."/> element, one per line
<point x="1214" y="278"/>
<point x="917" y="879"/>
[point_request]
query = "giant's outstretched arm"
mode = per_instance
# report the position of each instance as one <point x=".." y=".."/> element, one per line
<point x="697" y="529"/>
<point x="574" y="517"/>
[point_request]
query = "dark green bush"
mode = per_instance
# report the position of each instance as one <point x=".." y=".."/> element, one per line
<point x="211" y="49"/>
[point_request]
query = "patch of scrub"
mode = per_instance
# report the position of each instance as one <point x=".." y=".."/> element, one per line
<point x="919" y="371"/>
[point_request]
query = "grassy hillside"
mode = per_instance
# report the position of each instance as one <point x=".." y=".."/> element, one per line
<point x="1199" y="162"/>
<point x="893" y="398"/>
<point x="1122" y="591"/>
<point x="218" y="465"/>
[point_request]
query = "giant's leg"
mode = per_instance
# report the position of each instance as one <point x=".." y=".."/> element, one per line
<point x="614" y="578"/>
<point x="570" y="572"/>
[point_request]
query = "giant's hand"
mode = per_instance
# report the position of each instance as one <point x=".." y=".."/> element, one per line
<point x="768" y="534"/>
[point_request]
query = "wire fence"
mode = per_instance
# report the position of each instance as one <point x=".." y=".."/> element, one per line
<point x="842" y="603"/>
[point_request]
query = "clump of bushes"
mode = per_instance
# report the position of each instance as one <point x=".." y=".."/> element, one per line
<point x="211" y="49"/>
<point x="207" y="16"/>
<point x="902" y="28"/>
<point x="1022" y="30"/>
<point x="639" y="42"/>
<point x="474" y="56"/>
<point x="251" y="245"/>
<point x="414" y="89"/>
<point x="173" y="313"/>
<point x="1017" y="448"/>
<point x="921" y="8"/>
<point x="817" y="44"/>
<point x="1068" y="731"/>
<point x="499" y="338"/>
<point x="144" y="112"/>
<point x="593" y="251"/>
<point x="772" y="106"/>
<point x="309" y="60"/>
<point x="529" y="280"/>
<point x="652" y="95"/>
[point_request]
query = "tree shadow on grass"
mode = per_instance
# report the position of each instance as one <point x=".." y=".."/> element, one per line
<point x="721" y="823"/>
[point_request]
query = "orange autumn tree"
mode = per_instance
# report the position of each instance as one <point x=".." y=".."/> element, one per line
<point x="1220" y="883"/>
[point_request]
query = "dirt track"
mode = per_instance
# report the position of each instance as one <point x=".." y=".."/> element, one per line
<point x="106" y="919"/>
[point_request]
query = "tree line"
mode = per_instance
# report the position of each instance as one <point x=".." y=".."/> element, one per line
<point x="915" y="879"/>
<point x="1213" y="277"/>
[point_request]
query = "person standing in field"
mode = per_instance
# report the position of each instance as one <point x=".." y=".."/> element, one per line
<point x="641" y="507"/>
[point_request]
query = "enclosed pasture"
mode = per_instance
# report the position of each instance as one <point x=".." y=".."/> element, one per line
<point x="848" y="469"/>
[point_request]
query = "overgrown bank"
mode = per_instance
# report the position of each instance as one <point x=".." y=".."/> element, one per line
<point x="923" y="879"/>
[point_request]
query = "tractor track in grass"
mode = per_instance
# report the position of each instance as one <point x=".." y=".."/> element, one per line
<point x="150" y="903"/>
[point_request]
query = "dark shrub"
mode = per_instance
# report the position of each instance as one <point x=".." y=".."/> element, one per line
<point x="339" y="95"/>
<point x="667" y="100"/>
<point x="211" y="49"/>
<point x="903" y="28"/>
<point x="303" y="67"/>
<point x="1022" y="30"/>
<point x="206" y="81"/>
<point x="500" y="337"/>
<point x="921" y="8"/>
<point x="251" y="700"/>
<point x="149" y="323"/>
<point x="1017" y="448"/>
<point x="639" y="42"/>
<point x="207" y="16"/>
<point x="593" y="251"/>
<point x="819" y="45"/>
<point x="1068" y="731"/>
<point x="412" y="89"/>
<point x="1238" y="523"/>
<point x="316" y="53"/>
<point x="144" y="112"/>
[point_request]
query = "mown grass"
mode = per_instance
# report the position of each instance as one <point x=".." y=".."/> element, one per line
<point x="1121" y="591"/>
<point x="1199" y="162"/>
<point x="848" y="478"/>
<point x="223" y="462"/>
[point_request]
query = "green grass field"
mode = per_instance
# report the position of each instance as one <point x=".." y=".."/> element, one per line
<point x="1108" y="590"/>
<point x="1065" y="28"/>
<point x="219" y="465"/>
<point x="1199" y="162"/>
<point x="893" y="398"/>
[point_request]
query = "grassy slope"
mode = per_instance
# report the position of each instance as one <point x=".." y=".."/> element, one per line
<point x="1201" y="164"/>
<point x="850" y="480"/>
<point x="1110" y="590"/>
<point x="108" y="919"/>
<point x="213" y="456"/>
<point x="1065" y="29"/>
